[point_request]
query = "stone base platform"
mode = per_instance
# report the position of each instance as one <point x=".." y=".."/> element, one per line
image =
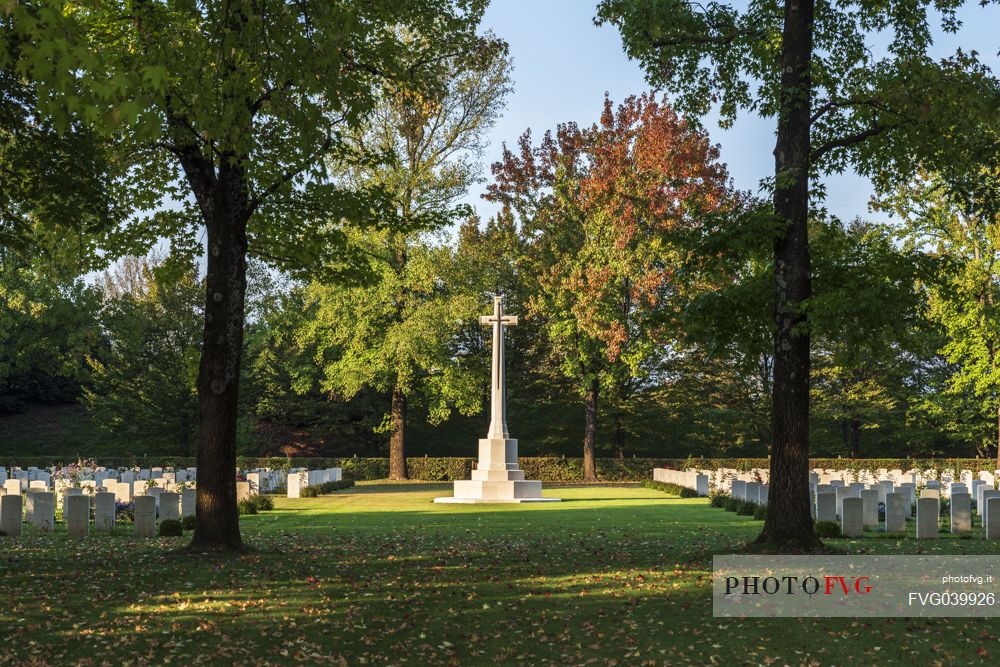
<point x="485" y="501"/>
<point x="497" y="478"/>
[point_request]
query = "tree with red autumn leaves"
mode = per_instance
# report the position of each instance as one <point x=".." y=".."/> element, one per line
<point x="606" y="211"/>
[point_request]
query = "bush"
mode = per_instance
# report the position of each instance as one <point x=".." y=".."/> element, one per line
<point x="188" y="522"/>
<point x="247" y="506"/>
<point x="171" y="528"/>
<point x="124" y="512"/>
<point x="760" y="512"/>
<point x="732" y="504"/>
<point x="264" y="503"/>
<point x="718" y="500"/>
<point x="327" y="487"/>
<point x="827" y="529"/>
<point x="746" y="508"/>
<point x="672" y="489"/>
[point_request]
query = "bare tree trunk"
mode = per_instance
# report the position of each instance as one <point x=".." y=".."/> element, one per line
<point x="397" y="441"/>
<point x="789" y="526"/>
<point x="590" y="433"/>
<point x="218" y="525"/>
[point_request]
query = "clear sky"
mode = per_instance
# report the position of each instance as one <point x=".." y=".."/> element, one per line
<point x="563" y="65"/>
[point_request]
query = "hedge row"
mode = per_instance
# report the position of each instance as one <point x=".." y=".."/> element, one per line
<point x="547" y="469"/>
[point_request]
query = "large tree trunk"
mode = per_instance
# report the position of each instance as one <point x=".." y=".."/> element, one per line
<point x="998" y="437"/>
<point x="218" y="526"/>
<point x="397" y="441"/>
<point x="789" y="526"/>
<point x="590" y="433"/>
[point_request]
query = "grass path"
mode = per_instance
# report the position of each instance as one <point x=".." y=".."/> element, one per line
<point x="380" y="575"/>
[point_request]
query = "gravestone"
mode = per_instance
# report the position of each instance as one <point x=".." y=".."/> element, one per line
<point x="985" y="495"/>
<point x="739" y="489"/>
<point x="762" y="494"/>
<point x="974" y="490"/>
<point x="145" y="516"/>
<point x="257" y="482"/>
<point x="242" y="491"/>
<point x="123" y="491"/>
<point x="296" y="482"/>
<point x="189" y="498"/>
<point x="897" y="509"/>
<point x="961" y="512"/>
<point x="993" y="518"/>
<point x="76" y="513"/>
<point x="931" y="493"/>
<point x="29" y="505"/>
<point x="155" y="492"/>
<point x="10" y="514"/>
<point x="12" y="487"/>
<point x="885" y="487"/>
<point x="826" y="507"/>
<point x="928" y="513"/>
<point x="43" y="515"/>
<point x="752" y="491"/>
<point x="980" y="505"/>
<point x="869" y="499"/>
<point x="104" y="512"/>
<point x="852" y="519"/>
<point x="910" y="489"/>
<point x="845" y="492"/>
<point x="170" y="506"/>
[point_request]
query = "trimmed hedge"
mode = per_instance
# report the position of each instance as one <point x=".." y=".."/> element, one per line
<point x="672" y="489"/>
<point x="326" y="487"/>
<point x="547" y="469"/>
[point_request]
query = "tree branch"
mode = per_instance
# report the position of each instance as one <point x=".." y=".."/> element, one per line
<point x="289" y="174"/>
<point x="848" y="141"/>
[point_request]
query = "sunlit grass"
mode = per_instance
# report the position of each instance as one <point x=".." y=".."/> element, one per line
<point x="381" y="575"/>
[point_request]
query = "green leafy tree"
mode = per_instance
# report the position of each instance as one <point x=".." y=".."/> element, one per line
<point x="47" y="327"/>
<point x="234" y="110"/>
<point x="365" y="340"/>
<point x="142" y="384"/>
<point x="836" y="104"/>
<point x="601" y="208"/>
<point x="867" y="308"/>
<point x="961" y="230"/>
<point x="384" y="332"/>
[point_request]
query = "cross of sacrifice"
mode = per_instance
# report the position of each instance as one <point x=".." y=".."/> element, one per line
<point x="498" y="393"/>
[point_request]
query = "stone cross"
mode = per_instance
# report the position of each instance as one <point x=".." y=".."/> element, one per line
<point x="498" y="392"/>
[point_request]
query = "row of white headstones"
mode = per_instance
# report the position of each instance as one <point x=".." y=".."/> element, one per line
<point x="158" y="493"/>
<point x="856" y="503"/>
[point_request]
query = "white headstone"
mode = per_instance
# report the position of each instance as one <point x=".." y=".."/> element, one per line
<point x="77" y="515"/>
<point x="104" y="512"/>
<point x="852" y="519"/>
<point x="928" y="514"/>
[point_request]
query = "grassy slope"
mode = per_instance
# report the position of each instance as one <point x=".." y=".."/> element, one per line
<point x="379" y="575"/>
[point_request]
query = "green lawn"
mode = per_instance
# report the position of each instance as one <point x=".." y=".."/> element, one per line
<point x="380" y="575"/>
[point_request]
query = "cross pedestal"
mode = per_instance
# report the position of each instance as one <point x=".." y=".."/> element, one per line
<point x="497" y="477"/>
